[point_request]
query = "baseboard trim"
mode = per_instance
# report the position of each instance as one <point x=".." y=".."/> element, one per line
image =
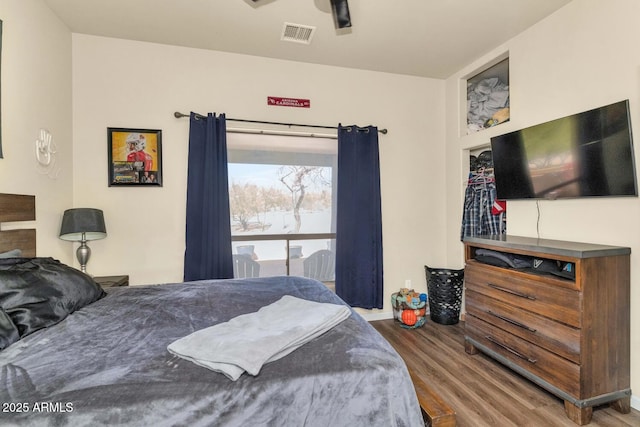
<point x="372" y="317"/>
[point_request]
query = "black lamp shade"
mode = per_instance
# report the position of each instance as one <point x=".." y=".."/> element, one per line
<point x="89" y="221"/>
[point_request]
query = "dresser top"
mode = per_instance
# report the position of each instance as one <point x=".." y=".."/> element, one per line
<point x="548" y="246"/>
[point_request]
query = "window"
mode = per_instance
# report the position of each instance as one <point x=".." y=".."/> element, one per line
<point x="282" y="200"/>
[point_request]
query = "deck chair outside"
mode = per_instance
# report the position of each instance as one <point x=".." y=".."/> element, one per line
<point x="244" y="266"/>
<point x="320" y="265"/>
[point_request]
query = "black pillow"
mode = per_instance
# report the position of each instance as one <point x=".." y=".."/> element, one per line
<point x="8" y="331"/>
<point x="39" y="292"/>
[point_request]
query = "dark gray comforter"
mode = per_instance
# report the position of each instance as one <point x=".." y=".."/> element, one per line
<point x="108" y="364"/>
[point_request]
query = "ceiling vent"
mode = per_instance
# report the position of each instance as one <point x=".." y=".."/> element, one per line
<point x="297" y="33"/>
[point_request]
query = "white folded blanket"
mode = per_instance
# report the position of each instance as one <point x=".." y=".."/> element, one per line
<point x="248" y="341"/>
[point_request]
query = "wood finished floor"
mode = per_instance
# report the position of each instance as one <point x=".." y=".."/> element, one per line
<point x="480" y="390"/>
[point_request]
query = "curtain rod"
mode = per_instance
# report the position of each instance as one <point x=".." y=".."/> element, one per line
<point x="282" y="133"/>
<point x="179" y="115"/>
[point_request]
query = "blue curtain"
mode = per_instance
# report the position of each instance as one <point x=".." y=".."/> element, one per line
<point x="359" y="219"/>
<point x="208" y="232"/>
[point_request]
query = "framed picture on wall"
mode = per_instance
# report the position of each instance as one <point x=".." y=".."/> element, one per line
<point x="135" y="157"/>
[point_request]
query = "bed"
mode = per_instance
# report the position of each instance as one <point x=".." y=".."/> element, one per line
<point x="107" y="363"/>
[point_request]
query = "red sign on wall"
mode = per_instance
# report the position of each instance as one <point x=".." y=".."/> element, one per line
<point x="288" y="102"/>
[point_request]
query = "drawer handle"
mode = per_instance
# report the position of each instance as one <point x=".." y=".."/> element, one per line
<point x="513" y="322"/>
<point x="512" y="292"/>
<point x="509" y="349"/>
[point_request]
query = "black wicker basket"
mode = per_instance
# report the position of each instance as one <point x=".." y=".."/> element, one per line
<point x="445" y="294"/>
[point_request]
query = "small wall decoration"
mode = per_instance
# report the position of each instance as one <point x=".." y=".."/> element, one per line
<point x="135" y="156"/>
<point x="288" y="102"/>
<point x="46" y="150"/>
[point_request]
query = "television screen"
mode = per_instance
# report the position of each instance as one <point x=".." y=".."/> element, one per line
<point x="583" y="155"/>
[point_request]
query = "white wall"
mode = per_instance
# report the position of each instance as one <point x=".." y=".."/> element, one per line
<point x="36" y="93"/>
<point x="120" y="83"/>
<point x="584" y="56"/>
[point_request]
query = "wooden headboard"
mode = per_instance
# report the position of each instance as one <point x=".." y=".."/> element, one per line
<point x="15" y="208"/>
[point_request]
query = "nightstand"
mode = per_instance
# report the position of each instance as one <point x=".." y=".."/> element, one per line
<point x="112" y="281"/>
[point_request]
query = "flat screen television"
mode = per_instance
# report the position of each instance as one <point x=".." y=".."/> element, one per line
<point x="589" y="154"/>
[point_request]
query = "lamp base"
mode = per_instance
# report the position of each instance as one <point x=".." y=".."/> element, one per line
<point x="83" y="254"/>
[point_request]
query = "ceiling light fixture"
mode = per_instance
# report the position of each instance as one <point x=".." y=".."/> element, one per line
<point x="341" y="16"/>
<point x="340" y="12"/>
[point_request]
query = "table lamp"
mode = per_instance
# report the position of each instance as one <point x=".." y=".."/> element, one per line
<point x="82" y="225"/>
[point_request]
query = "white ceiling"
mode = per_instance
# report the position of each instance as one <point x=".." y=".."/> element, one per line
<point x="429" y="38"/>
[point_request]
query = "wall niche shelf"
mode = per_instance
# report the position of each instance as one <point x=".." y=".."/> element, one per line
<point x="487" y="93"/>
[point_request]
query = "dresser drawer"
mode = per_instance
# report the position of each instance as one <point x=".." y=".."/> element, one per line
<point x="556" y="337"/>
<point x="551" y="368"/>
<point x="549" y="298"/>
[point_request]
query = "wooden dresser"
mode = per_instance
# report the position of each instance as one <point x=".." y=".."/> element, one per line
<point x="569" y="336"/>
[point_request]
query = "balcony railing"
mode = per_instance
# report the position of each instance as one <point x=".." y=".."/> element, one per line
<point x="293" y="253"/>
